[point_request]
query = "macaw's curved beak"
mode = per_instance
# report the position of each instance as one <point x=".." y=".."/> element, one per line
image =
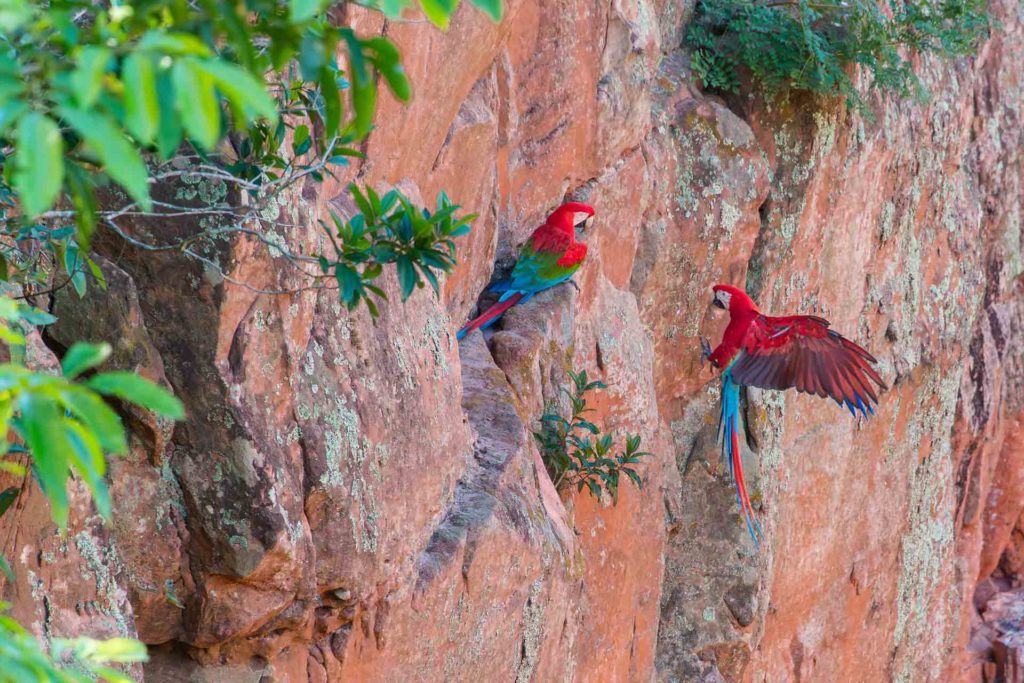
<point x="718" y="302"/>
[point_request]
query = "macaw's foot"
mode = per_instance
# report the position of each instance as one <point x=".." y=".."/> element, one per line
<point x="705" y="350"/>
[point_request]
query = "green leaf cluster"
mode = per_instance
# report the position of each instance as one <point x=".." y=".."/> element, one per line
<point x="576" y="453"/>
<point x="439" y="12"/>
<point x="807" y="45"/>
<point x="79" y="660"/>
<point x="96" y="95"/>
<point x="37" y="257"/>
<point x="61" y="424"/>
<point x="61" y="421"/>
<point x="88" y="92"/>
<point x="390" y="229"/>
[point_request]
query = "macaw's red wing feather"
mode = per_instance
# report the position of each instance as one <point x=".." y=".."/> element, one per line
<point x="800" y="351"/>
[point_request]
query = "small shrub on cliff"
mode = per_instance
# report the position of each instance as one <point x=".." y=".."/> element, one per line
<point x="575" y="452"/>
<point x="810" y="46"/>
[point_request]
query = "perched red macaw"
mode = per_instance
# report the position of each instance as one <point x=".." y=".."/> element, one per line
<point x="795" y="351"/>
<point x="549" y="257"/>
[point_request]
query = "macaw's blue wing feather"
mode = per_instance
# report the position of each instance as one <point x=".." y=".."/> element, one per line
<point x="499" y="286"/>
<point x="729" y="426"/>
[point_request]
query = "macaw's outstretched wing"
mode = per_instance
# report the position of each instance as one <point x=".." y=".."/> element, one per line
<point x="800" y="351"/>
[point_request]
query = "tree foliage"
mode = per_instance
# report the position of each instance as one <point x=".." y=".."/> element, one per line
<point x="804" y="45"/>
<point x="390" y="229"/>
<point x="575" y="452"/>
<point x="78" y="660"/>
<point x="101" y="103"/>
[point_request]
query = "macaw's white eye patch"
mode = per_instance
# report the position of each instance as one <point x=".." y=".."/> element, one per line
<point x="722" y="299"/>
<point x="582" y="219"/>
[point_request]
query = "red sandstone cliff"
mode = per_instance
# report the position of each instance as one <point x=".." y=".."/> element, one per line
<point x="362" y="500"/>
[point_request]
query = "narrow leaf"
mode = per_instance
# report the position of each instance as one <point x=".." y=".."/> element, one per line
<point x="97" y="416"/>
<point x="49" y="447"/>
<point x="141" y="103"/>
<point x="38" y="163"/>
<point x="169" y="130"/>
<point x="300" y="11"/>
<point x="7" y="497"/>
<point x="137" y="390"/>
<point x="244" y="89"/>
<point x="120" y="650"/>
<point x="439" y="11"/>
<point x="491" y="7"/>
<point x="86" y="457"/>
<point x="83" y="356"/>
<point x="87" y="78"/>
<point x="119" y="157"/>
<point x="197" y="103"/>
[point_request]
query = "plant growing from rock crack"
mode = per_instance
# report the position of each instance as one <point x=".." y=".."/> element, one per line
<point x="575" y="452"/>
<point x="804" y="45"/>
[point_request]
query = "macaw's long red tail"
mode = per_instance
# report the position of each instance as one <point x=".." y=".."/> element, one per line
<point x="731" y="452"/>
<point x="491" y="315"/>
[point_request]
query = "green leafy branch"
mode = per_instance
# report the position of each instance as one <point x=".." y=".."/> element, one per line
<point x="62" y="424"/>
<point x="801" y="45"/>
<point x="166" y="95"/>
<point x="78" y="660"/>
<point x="62" y="420"/>
<point x="390" y="229"/>
<point x="575" y="452"/>
<point x="439" y="12"/>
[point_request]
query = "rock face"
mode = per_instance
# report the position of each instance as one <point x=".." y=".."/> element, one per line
<point x="361" y="499"/>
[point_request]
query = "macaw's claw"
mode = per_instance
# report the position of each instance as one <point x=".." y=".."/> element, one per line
<point x="705" y="350"/>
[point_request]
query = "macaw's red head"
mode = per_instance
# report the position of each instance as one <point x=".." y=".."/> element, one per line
<point x="572" y="215"/>
<point x="733" y="299"/>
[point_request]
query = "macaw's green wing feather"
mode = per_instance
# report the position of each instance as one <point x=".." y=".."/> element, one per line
<point x="539" y="269"/>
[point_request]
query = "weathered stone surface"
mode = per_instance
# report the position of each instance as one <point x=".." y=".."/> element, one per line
<point x="361" y="499"/>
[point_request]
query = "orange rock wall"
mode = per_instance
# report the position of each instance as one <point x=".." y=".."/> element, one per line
<point x="360" y="499"/>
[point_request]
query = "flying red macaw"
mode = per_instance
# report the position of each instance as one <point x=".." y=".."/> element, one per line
<point x="549" y="257"/>
<point x="794" y="351"/>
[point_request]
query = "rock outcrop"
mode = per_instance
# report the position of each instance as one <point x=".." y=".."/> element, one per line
<point x="361" y="499"/>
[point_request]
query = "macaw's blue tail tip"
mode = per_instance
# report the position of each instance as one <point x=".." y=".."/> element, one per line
<point x="461" y="334"/>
